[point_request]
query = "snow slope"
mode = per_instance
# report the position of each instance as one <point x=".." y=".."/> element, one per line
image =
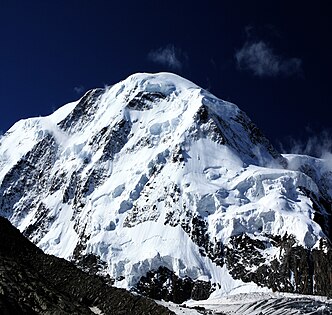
<point x="153" y="171"/>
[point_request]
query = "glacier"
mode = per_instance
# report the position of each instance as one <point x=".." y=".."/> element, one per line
<point x="156" y="172"/>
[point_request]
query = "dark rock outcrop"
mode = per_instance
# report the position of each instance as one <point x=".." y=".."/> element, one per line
<point x="166" y="285"/>
<point x="83" y="111"/>
<point x="145" y="100"/>
<point x="296" y="270"/>
<point x="30" y="173"/>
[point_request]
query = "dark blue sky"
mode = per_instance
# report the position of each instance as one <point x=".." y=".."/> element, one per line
<point x="271" y="58"/>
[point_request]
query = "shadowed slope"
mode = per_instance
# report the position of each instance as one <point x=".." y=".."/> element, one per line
<point x="32" y="282"/>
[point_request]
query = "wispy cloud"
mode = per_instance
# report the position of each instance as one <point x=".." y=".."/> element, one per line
<point x="169" y="56"/>
<point x="259" y="58"/>
<point x="317" y="145"/>
<point x="79" y="89"/>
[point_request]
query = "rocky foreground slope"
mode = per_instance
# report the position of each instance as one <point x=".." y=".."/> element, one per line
<point x="163" y="188"/>
<point x="32" y="282"/>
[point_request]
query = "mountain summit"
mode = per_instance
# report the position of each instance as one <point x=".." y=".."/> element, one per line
<point x="165" y="189"/>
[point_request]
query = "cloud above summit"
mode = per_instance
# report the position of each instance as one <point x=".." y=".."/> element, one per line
<point x="169" y="56"/>
<point x="79" y="89"/>
<point x="260" y="59"/>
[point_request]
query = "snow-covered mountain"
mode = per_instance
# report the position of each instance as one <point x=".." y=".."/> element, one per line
<point x="164" y="188"/>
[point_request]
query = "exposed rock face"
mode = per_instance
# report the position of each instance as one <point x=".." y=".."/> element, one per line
<point x="83" y="112"/>
<point x="29" y="173"/>
<point x="295" y="269"/>
<point x="32" y="282"/>
<point x="163" y="284"/>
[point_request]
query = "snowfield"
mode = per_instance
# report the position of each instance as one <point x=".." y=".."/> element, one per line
<point x="256" y="304"/>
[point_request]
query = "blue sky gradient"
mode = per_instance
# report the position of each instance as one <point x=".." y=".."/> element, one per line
<point x="271" y="58"/>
